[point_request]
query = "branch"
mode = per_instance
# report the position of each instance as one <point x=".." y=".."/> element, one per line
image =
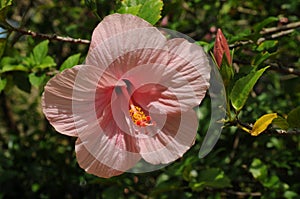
<point x="243" y="194"/>
<point x="270" y="131"/>
<point x="276" y="32"/>
<point x="284" y="70"/>
<point x="279" y="28"/>
<point x="51" y="37"/>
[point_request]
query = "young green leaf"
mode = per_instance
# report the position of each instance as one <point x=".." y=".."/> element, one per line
<point x="260" y="58"/>
<point x="134" y="10"/>
<point x="4" y="7"/>
<point x="262" y="123"/>
<point x="258" y="27"/>
<point x="269" y="45"/>
<point x="243" y="87"/>
<point x="150" y="10"/>
<point x="46" y="63"/>
<point x="258" y="169"/>
<point x="70" y="62"/>
<point x="36" y="80"/>
<point x="40" y="52"/>
<point x="294" y="118"/>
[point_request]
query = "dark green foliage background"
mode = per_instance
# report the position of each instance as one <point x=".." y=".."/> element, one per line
<point x="37" y="162"/>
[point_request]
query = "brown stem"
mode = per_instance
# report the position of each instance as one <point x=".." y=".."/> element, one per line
<point x="280" y="28"/>
<point x="51" y="37"/>
<point x="271" y="33"/>
<point x="284" y="70"/>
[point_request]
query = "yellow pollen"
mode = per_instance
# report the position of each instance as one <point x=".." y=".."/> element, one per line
<point x="139" y="117"/>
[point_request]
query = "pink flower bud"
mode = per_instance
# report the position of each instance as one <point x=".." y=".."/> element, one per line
<point x="221" y="47"/>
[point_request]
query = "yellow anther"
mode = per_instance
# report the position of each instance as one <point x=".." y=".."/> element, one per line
<point x="138" y="116"/>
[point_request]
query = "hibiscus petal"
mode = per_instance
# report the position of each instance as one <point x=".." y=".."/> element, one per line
<point x="190" y="70"/>
<point x="57" y="101"/>
<point x="178" y="81"/>
<point x="108" y="146"/>
<point x="127" y="50"/>
<point x="69" y="98"/>
<point x="115" y="24"/>
<point x="99" y="152"/>
<point x="172" y="141"/>
<point x="91" y="165"/>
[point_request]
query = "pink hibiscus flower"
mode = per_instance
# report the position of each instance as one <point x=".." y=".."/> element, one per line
<point x="133" y="98"/>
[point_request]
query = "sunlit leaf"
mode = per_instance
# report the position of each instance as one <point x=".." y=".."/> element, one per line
<point x="268" y="45"/>
<point x="4" y="7"/>
<point x="134" y="10"/>
<point x="294" y="118"/>
<point x="262" y="123"/>
<point x="70" y="62"/>
<point x="36" y="80"/>
<point x="258" y="169"/>
<point x="46" y="63"/>
<point x="40" y="51"/>
<point x="243" y="87"/>
<point x="150" y="10"/>
<point x="8" y="68"/>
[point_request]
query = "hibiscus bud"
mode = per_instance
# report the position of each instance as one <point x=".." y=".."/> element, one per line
<point x="221" y="47"/>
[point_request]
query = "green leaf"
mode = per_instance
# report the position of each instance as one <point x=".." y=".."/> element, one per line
<point x="9" y="68"/>
<point x="38" y="59"/>
<point x="268" y="45"/>
<point x="36" y="80"/>
<point x="70" y="62"/>
<point x="293" y="118"/>
<point x="260" y="58"/>
<point x="280" y="122"/>
<point x="227" y="72"/>
<point x="2" y="84"/>
<point x="258" y="27"/>
<point x="40" y="52"/>
<point x="4" y="7"/>
<point x="258" y="169"/>
<point x="46" y="63"/>
<point x="112" y="192"/>
<point x="243" y="87"/>
<point x="290" y="195"/>
<point x="5" y="3"/>
<point x="134" y="10"/>
<point x="262" y="123"/>
<point x="212" y="177"/>
<point x="150" y="10"/>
